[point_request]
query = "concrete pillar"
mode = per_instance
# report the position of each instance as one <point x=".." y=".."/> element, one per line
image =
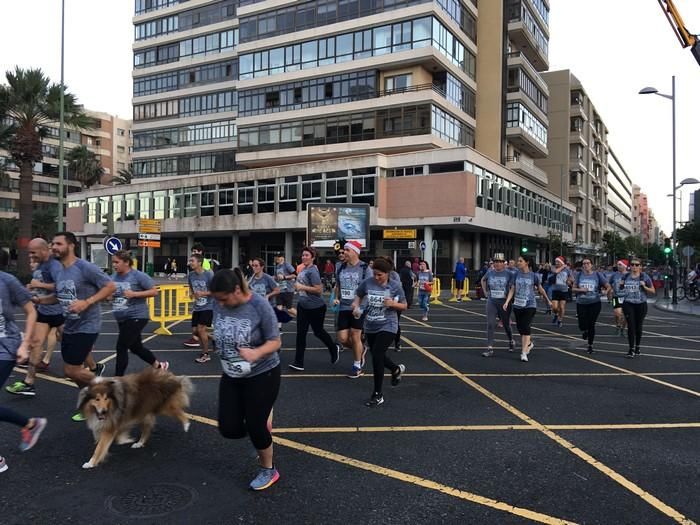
<point x="476" y="250"/>
<point x="83" y="248"/>
<point x="190" y="243"/>
<point x="288" y="246"/>
<point x="235" y="250"/>
<point x="428" y="239"/>
<point x="455" y="247"/>
<point x="150" y="255"/>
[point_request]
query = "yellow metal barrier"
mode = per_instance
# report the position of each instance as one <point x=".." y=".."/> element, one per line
<point x="435" y="294"/>
<point x="465" y="291"/>
<point x="173" y="304"/>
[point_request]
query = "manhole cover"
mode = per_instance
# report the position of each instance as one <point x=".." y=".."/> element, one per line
<point x="153" y="501"/>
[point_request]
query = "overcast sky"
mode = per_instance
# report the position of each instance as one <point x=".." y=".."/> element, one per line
<point x="615" y="47"/>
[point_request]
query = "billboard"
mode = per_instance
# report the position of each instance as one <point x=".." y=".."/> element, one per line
<point x="328" y="223"/>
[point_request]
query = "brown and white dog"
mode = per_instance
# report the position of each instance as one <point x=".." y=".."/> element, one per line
<point x="113" y="405"/>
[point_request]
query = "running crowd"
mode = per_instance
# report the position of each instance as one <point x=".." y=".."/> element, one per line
<point x="247" y="312"/>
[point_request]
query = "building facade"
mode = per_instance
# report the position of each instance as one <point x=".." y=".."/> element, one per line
<point x="619" y="193"/>
<point x="244" y="112"/>
<point x="640" y="214"/>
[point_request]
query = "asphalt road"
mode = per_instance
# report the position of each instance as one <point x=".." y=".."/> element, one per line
<point x="567" y="437"/>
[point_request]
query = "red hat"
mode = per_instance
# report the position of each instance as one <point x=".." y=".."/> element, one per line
<point x="561" y="258"/>
<point x="624" y="262"/>
<point x="355" y="246"/>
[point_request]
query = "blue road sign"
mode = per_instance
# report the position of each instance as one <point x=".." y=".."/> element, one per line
<point x="112" y="245"/>
<point x="423" y="246"/>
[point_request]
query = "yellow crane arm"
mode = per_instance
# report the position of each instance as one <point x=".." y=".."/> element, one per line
<point x="674" y="18"/>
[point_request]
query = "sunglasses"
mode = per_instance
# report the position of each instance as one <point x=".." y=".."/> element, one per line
<point x="636" y="264"/>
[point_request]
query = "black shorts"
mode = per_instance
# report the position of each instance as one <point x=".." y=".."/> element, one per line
<point x="286" y="299"/>
<point x="52" y="320"/>
<point x="616" y="303"/>
<point x="459" y="284"/>
<point x="523" y="319"/>
<point x="76" y="347"/>
<point x="202" y="318"/>
<point x="347" y="320"/>
<point x="560" y="296"/>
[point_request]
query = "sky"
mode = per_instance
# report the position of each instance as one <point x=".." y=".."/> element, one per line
<point x="614" y="47"/>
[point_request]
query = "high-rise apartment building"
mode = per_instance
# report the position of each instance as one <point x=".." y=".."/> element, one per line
<point x="245" y="112"/>
<point x="619" y="193"/>
<point x="640" y="214"/>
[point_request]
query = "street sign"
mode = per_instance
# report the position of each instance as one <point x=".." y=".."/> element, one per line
<point x="149" y="244"/>
<point x="112" y="245"/>
<point x="423" y="246"/>
<point x="149" y="226"/>
<point x="411" y="245"/>
<point x="400" y="234"/>
<point x="688" y="251"/>
<point x="149" y="236"/>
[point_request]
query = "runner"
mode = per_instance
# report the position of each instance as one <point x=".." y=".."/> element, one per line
<point x="408" y="282"/>
<point x="311" y="311"/>
<point x="587" y="285"/>
<point x="49" y="316"/>
<point x="285" y="275"/>
<point x="615" y="295"/>
<point x="384" y="299"/>
<point x="635" y="286"/>
<point x="262" y="284"/>
<point x="425" y="288"/>
<point x="522" y="293"/>
<point x="197" y="249"/>
<point x="560" y="290"/>
<point x="131" y="311"/>
<point x="13" y="348"/>
<point x="80" y="286"/>
<point x="248" y="339"/>
<point x="496" y="284"/>
<point x="350" y="274"/>
<point x="202" y="314"/>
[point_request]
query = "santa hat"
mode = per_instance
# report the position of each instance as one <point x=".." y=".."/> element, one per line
<point x="561" y="259"/>
<point x="624" y="262"/>
<point x="355" y="246"/>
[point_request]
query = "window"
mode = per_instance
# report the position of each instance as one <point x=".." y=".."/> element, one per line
<point x="398" y="83"/>
<point x="120" y="132"/>
<point x="121" y="149"/>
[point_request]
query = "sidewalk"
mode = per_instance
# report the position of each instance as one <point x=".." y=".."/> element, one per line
<point x="683" y="307"/>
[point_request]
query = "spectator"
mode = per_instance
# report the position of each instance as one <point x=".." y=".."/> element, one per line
<point x="460" y="276"/>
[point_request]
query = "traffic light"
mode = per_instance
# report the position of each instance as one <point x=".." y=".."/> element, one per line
<point x="667" y="246"/>
<point x="523" y="247"/>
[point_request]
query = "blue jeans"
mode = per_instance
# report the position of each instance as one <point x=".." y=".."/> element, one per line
<point x="423" y="301"/>
<point x="7" y="414"/>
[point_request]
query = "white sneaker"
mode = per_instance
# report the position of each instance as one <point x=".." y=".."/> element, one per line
<point x="523" y="357"/>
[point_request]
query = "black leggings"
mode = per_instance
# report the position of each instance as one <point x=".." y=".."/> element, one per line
<point x="634" y="314"/>
<point x="587" y="317"/>
<point x="245" y="404"/>
<point x="397" y="337"/>
<point x="130" y="339"/>
<point x="8" y="415"/>
<point x="523" y="319"/>
<point x="378" y="344"/>
<point x="314" y="318"/>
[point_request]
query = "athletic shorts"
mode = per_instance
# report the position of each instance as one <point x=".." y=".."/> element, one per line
<point x="559" y="295"/>
<point x="286" y="299"/>
<point x="76" y="347"/>
<point x="202" y="318"/>
<point x="346" y="321"/>
<point x="459" y="284"/>
<point x="616" y="303"/>
<point x="52" y="320"/>
<point x="523" y="319"/>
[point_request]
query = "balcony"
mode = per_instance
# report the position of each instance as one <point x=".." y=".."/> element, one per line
<point x="577" y="164"/>
<point x="527" y="168"/>
<point x="526" y="35"/>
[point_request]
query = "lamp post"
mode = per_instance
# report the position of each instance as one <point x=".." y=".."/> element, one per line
<point x="61" y="126"/>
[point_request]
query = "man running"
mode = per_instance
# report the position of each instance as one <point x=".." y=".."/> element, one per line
<point x="197" y="249"/>
<point x="285" y="276"/>
<point x="202" y="311"/>
<point x="80" y="286"/>
<point x="349" y="276"/>
<point x="49" y="316"/>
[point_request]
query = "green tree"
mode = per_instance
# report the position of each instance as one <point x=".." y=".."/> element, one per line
<point x="44" y="222"/>
<point x="689" y="235"/>
<point x="634" y="246"/>
<point x="124" y="176"/>
<point x="614" y="244"/>
<point x="84" y="165"/>
<point x="30" y="101"/>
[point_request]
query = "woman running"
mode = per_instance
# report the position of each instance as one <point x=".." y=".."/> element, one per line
<point x="246" y="333"/>
<point x="635" y="286"/>
<point x="560" y="290"/>
<point x="311" y="310"/>
<point x="495" y="285"/>
<point x="522" y="293"/>
<point x="616" y="298"/>
<point x="131" y="311"/>
<point x="385" y="298"/>
<point x="425" y="288"/>
<point x="587" y="285"/>
<point x="262" y="284"/>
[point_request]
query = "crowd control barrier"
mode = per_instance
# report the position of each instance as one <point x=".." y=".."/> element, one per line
<point x="435" y="294"/>
<point x="171" y="304"/>
<point x="465" y="291"/>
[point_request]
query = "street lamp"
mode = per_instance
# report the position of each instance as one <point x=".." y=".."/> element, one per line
<point x="61" y="126"/>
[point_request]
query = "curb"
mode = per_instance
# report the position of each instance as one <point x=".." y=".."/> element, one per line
<point x="668" y="310"/>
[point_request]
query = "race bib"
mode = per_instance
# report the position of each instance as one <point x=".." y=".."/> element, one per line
<point x="120" y="303"/>
<point x="520" y="301"/>
<point x="238" y="368"/>
<point x="346" y="293"/>
<point x="201" y="301"/>
<point x="497" y="294"/>
<point x="588" y="286"/>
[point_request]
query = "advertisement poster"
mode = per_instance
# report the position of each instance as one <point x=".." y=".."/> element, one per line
<point x="330" y="223"/>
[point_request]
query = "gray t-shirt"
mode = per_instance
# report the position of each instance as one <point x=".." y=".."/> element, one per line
<point x="80" y="281"/>
<point x="633" y="292"/>
<point x="262" y="285"/>
<point x="614" y="282"/>
<point x="592" y="282"/>
<point x="424" y="277"/>
<point x="47" y="273"/>
<point x="349" y="278"/>
<point x="379" y="318"/>
<point x="12" y="295"/>
<point x="309" y="276"/>
<point x="499" y="284"/>
<point x="285" y="269"/>
<point x="134" y="308"/>
<point x="560" y="280"/>
<point x="199" y="282"/>
<point x="250" y="324"/>
<point x="525" y="284"/>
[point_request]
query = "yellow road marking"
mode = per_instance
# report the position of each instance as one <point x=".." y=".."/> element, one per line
<point x="150" y="337"/>
<point x="422" y="323"/>
<point x="612" y="474"/>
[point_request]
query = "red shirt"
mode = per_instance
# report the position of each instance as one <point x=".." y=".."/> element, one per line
<point x="328" y="268"/>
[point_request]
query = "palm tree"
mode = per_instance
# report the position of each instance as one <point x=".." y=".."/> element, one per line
<point x="85" y="166"/>
<point x="124" y="176"/>
<point x="29" y="102"/>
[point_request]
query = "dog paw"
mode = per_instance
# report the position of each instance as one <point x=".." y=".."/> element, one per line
<point x="186" y="426"/>
<point x="125" y="440"/>
<point x="138" y="445"/>
<point x="89" y="464"/>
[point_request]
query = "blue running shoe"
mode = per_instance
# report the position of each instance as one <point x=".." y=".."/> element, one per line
<point x="266" y="478"/>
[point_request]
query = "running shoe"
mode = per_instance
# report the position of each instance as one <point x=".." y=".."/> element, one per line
<point x="488" y="353"/>
<point x="340" y="347"/>
<point x="335" y="353"/>
<point x="20" y="388"/>
<point x="99" y="369"/>
<point x="266" y="478"/>
<point x="637" y="352"/>
<point x="78" y="417"/>
<point x="511" y="346"/>
<point x="630" y="354"/>
<point x="459" y="299"/>
<point x="164" y="365"/>
<point x="396" y="375"/>
<point x="192" y="343"/>
<point x="31" y="435"/>
<point x="559" y="323"/>
<point x="424" y="318"/>
<point x="375" y="400"/>
<point x="530" y="347"/>
<point x="356" y="372"/>
<point x="203" y="358"/>
<point x="3" y="464"/>
<point x="590" y="349"/>
<point x="296" y="366"/>
<point x="554" y="319"/>
<point x="397" y="347"/>
<point x="523" y="357"/>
